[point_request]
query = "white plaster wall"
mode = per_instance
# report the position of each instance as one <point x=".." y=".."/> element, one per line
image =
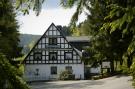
<point x="50" y="32"/>
<point x="43" y="40"/>
<point x="58" y="33"/>
<point x="95" y="70"/>
<point x="66" y="45"/>
<point x="54" y="28"/>
<point x="54" y="32"/>
<point x="58" y="40"/>
<point x="62" y="40"/>
<point x="45" y="71"/>
<point x="47" y="40"/>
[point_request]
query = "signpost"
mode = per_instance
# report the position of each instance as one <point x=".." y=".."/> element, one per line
<point x="105" y="65"/>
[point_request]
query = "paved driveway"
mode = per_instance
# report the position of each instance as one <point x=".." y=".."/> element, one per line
<point x="116" y="82"/>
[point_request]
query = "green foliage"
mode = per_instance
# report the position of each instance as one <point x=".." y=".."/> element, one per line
<point x="66" y="75"/>
<point x="121" y="17"/>
<point x="68" y="3"/>
<point x="76" y="32"/>
<point x="9" y="47"/>
<point x="9" y="36"/>
<point x="104" y="75"/>
<point x="133" y="72"/>
<point x="103" y="42"/>
<point x="66" y="31"/>
<point x="20" y="65"/>
<point x="10" y="74"/>
<point x="81" y="5"/>
<point x="26" y="5"/>
<point x="111" y="24"/>
<point x="101" y="45"/>
<point x="125" y="69"/>
<point x="27" y="41"/>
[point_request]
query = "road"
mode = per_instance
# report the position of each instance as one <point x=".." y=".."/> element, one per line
<point x="115" y="82"/>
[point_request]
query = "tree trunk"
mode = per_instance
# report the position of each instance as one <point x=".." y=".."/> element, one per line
<point x="129" y="61"/>
<point x="112" y="66"/>
<point x="116" y="66"/>
<point x="2" y="84"/>
<point x="121" y="62"/>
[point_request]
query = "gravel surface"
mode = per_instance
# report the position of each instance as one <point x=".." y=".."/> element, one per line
<point x="115" y="82"/>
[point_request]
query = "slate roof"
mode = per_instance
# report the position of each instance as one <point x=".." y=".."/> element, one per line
<point x="78" y="38"/>
<point x="78" y="51"/>
<point x="74" y="38"/>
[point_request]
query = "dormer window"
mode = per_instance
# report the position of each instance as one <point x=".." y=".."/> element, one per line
<point x="52" y="41"/>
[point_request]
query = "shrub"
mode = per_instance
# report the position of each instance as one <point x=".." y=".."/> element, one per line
<point x="96" y="77"/>
<point x="66" y="75"/>
<point x="133" y="72"/>
<point x="125" y="69"/>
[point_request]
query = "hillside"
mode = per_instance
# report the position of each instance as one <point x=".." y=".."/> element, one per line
<point x="26" y="40"/>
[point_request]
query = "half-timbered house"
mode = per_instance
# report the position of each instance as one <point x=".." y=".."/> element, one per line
<point x="52" y="54"/>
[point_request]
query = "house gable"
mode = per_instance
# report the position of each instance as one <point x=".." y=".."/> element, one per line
<point x="52" y="44"/>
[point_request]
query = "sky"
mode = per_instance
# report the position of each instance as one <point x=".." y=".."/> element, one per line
<point x="51" y="12"/>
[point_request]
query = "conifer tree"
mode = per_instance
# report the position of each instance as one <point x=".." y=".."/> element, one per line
<point x="9" y="48"/>
<point x="121" y="17"/>
<point x="9" y="35"/>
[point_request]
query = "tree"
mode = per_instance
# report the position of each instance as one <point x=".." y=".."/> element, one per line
<point x="101" y="47"/>
<point x="96" y="11"/>
<point x="81" y="5"/>
<point x="10" y="74"/>
<point x="9" y="35"/>
<point x="36" y="5"/>
<point x="121" y="17"/>
<point x="103" y="44"/>
<point x="9" y="38"/>
<point x="25" y="5"/>
<point x="66" y="31"/>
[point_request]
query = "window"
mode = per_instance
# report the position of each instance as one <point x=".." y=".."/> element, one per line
<point x="53" y="70"/>
<point x="68" y="55"/>
<point x="37" y="72"/>
<point x="69" y="68"/>
<point x="52" y="41"/>
<point x="53" y="55"/>
<point x="37" y="55"/>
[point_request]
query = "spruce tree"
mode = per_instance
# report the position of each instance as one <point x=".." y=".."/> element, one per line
<point x="9" y="35"/>
<point x="104" y="45"/>
<point x="9" y="48"/>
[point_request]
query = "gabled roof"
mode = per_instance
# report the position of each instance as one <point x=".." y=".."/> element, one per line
<point x="59" y="29"/>
<point x="78" y="38"/>
<point x="78" y="51"/>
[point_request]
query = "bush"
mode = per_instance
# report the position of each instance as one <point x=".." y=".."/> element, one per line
<point x="66" y="75"/>
<point x="133" y="72"/>
<point x="105" y="75"/>
<point x="125" y="69"/>
<point x="96" y="77"/>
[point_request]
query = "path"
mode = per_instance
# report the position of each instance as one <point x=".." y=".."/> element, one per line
<point x="115" y="82"/>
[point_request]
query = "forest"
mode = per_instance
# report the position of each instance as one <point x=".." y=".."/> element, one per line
<point x="110" y="23"/>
